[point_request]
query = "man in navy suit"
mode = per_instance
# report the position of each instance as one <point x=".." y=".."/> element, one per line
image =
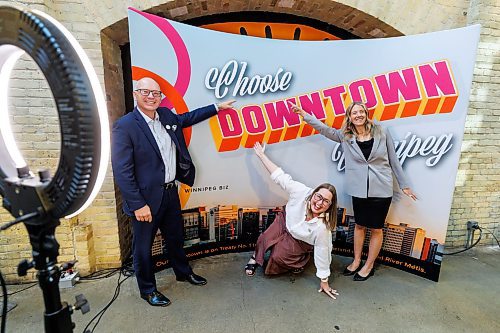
<point x="149" y="155"/>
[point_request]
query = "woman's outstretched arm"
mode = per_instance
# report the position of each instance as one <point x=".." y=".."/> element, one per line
<point x="259" y="151"/>
<point x="295" y="189"/>
<point x="329" y="132"/>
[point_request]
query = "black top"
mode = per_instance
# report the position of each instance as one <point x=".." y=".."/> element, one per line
<point x="366" y="147"/>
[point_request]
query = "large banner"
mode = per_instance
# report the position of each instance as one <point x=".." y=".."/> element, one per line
<point x="416" y="86"/>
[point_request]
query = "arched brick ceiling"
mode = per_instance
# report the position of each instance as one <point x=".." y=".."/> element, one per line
<point x="349" y="19"/>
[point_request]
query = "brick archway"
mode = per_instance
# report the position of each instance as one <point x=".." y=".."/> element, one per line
<point x="331" y="17"/>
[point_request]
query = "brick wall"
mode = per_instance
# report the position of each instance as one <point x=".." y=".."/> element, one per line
<point x="91" y="237"/>
<point x="477" y="192"/>
<point x="101" y="28"/>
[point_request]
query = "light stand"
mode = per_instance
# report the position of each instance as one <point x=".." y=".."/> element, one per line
<point x="40" y="202"/>
<point x="57" y="316"/>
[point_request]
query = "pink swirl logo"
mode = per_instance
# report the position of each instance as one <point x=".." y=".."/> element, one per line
<point x="174" y="94"/>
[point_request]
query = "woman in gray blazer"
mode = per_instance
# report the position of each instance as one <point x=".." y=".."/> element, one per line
<point x="370" y="162"/>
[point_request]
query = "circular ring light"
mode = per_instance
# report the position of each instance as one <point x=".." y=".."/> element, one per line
<point x="81" y="107"/>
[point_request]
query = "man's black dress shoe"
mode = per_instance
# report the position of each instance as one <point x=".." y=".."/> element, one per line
<point x="156" y="298"/>
<point x="358" y="277"/>
<point x="193" y="279"/>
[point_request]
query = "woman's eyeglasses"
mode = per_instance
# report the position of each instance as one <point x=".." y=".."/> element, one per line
<point x="319" y="197"/>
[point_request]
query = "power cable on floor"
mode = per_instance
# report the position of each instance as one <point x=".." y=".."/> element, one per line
<point x="498" y="243"/>
<point x="126" y="272"/>
<point x="101" y="274"/>
<point x="97" y="275"/>
<point x="470" y="247"/>
<point x="21" y="283"/>
<point x="21" y="290"/>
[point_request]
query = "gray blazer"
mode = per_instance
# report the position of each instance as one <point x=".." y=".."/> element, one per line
<point x="376" y="171"/>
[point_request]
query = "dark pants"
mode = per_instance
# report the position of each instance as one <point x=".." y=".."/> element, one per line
<point x="169" y="221"/>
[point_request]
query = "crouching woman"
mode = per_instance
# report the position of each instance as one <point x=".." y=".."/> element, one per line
<point x="304" y="227"/>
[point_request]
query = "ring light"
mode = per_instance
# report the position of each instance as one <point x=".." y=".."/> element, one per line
<point x="82" y="114"/>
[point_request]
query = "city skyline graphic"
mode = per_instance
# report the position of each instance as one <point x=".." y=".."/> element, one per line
<point x="230" y="223"/>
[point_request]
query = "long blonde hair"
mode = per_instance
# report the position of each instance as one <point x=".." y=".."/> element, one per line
<point x="348" y="128"/>
<point x="330" y="217"/>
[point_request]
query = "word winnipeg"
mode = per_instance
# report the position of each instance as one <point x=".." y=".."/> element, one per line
<point x="206" y="188"/>
<point x="432" y="147"/>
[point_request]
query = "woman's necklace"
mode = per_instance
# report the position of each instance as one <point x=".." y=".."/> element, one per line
<point x="364" y="136"/>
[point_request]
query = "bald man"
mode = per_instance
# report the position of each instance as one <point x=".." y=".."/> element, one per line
<point x="149" y="156"/>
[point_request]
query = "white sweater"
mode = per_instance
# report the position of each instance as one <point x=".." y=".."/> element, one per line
<point x="314" y="231"/>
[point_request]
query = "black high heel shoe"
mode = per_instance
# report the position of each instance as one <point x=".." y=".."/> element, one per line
<point x="348" y="272"/>
<point x="358" y="277"/>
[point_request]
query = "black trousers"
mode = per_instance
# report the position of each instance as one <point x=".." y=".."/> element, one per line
<point x="169" y="221"/>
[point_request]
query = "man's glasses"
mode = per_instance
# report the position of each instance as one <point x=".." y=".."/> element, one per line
<point x="146" y="92"/>
<point x="319" y="197"/>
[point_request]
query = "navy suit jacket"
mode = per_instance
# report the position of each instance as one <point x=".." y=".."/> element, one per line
<point x="138" y="168"/>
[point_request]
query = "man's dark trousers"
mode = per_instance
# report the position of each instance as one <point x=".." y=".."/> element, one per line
<point x="169" y="221"/>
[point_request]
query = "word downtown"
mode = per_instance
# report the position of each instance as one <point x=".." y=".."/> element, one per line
<point x="424" y="90"/>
